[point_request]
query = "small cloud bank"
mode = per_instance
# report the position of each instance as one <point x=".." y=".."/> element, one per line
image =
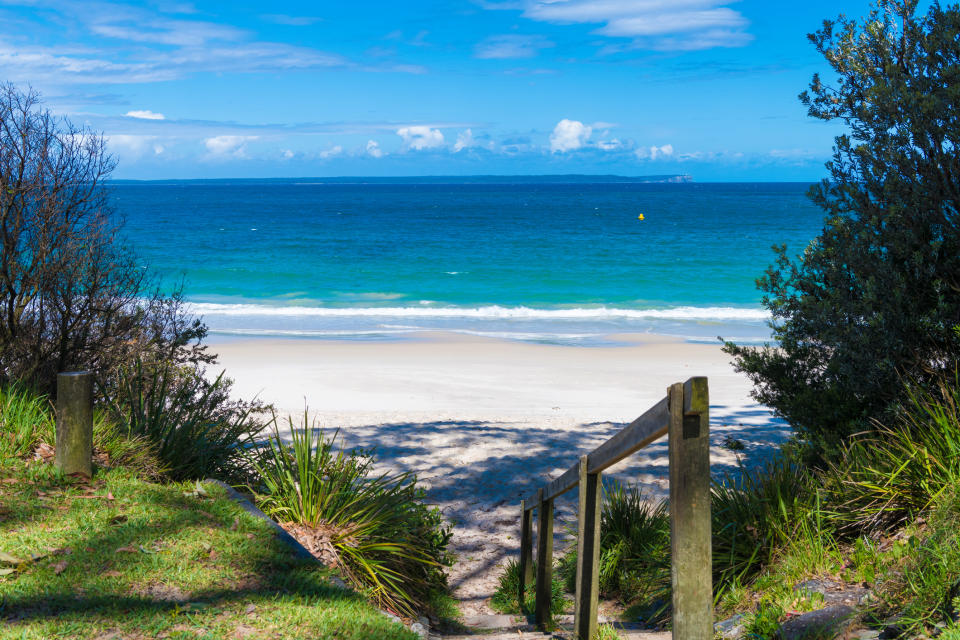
<point x="464" y="141"/>
<point x="228" y="145"/>
<point x="420" y="137"/>
<point x="373" y="149"/>
<point x="654" y="152"/>
<point x="569" y="135"/>
<point x="144" y="114"/>
<point x="684" y="25"/>
<point x="335" y="151"/>
<point x="133" y="145"/>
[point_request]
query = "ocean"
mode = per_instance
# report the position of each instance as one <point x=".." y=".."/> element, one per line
<point x="565" y="262"/>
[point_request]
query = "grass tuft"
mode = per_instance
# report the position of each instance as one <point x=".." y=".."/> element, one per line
<point x="389" y="543"/>
<point x="504" y="599"/>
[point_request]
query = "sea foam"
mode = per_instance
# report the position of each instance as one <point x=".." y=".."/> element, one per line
<point x="688" y="313"/>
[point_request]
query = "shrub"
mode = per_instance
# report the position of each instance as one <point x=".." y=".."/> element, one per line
<point x="388" y="541"/>
<point x="195" y="429"/>
<point x="874" y="297"/>
<point x="73" y="296"/>
<point x="504" y="598"/>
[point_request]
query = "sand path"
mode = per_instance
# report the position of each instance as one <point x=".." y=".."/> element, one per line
<point x="483" y="422"/>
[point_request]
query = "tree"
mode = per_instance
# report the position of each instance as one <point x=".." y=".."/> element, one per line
<point x="70" y="295"/>
<point x="872" y="301"/>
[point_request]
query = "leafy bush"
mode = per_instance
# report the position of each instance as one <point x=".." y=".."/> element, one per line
<point x="195" y="429"/>
<point x="504" y="598"/>
<point x="388" y="542"/>
<point x="874" y="297"/>
<point x="74" y="296"/>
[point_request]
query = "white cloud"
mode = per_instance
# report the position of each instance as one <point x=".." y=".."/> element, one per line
<point x="373" y="149"/>
<point x="228" y="145"/>
<point x="144" y="114"/>
<point x="335" y="151"/>
<point x="569" y="135"/>
<point x="287" y="154"/>
<point x="653" y="24"/>
<point x="420" y="137"/>
<point x="654" y="152"/>
<point x="511" y="46"/>
<point x="609" y="145"/>
<point x="464" y="141"/>
<point x="142" y="45"/>
<point x="133" y="145"/>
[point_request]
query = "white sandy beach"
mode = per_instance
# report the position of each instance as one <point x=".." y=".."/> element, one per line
<point x="483" y="421"/>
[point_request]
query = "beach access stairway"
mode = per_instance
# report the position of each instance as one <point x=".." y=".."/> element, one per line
<point x="683" y="415"/>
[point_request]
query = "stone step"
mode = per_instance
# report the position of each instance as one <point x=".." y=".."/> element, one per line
<point x="558" y="635"/>
<point x="502" y="627"/>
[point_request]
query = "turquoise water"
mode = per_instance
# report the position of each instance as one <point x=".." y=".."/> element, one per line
<point x="566" y="263"/>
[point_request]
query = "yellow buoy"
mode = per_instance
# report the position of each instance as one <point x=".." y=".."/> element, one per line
<point x="640" y="217"/>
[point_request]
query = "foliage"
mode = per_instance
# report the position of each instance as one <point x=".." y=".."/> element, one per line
<point x="755" y="512"/>
<point x="388" y="541"/>
<point x="504" y="598"/>
<point x="874" y="297"/>
<point x="195" y="429"/>
<point x="71" y="297"/>
<point x="113" y="447"/>
<point x="607" y="632"/>
<point x="25" y="420"/>
<point x="128" y="558"/>
<point x="891" y="476"/>
<point x="634" y="550"/>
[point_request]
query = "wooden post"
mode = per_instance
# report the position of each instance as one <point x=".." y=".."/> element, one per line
<point x="74" y="452"/>
<point x="541" y="609"/>
<point x="588" y="554"/>
<point x="526" y="553"/>
<point x="690" y="534"/>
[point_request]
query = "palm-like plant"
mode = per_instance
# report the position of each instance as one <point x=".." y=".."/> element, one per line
<point x="387" y="541"/>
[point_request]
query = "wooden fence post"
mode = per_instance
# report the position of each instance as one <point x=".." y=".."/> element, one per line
<point x="74" y="437"/>
<point x="690" y="532"/>
<point x="541" y="610"/>
<point x="588" y="554"/>
<point x="526" y="553"/>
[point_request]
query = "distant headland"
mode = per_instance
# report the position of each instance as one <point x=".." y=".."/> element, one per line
<point x="574" y="178"/>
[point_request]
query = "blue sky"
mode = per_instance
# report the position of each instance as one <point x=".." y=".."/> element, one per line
<point x="255" y="89"/>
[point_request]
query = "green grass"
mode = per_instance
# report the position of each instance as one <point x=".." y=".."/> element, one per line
<point x="504" y="599"/>
<point x="25" y="420"/>
<point x="149" y="561"/>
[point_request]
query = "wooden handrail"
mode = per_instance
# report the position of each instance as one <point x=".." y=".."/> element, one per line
<point x="683" y="415"/>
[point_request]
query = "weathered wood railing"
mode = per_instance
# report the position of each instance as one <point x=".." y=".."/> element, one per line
<point x="684" y="416"/>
